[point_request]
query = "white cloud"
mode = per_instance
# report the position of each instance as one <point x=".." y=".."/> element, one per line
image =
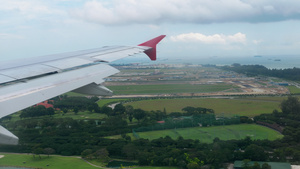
<point x="24" y="7"/>
<point x="210" y="39"/>
<point x="256" y="42"/>
<point x="30" y="9"/>
<point x="9" y="36"/>
<point x="186" y="11"/>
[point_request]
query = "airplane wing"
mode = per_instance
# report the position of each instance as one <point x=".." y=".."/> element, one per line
<point x="26" y="82"/>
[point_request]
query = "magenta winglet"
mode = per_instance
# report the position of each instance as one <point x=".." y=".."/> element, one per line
<point x="152" y="43"/>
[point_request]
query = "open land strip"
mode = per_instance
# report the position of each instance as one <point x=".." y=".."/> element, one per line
<point x="208" y="134"/>
<point x="228" y="107"/>
<point x="55" y="162"/>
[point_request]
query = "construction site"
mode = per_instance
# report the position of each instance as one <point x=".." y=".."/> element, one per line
<point x="201" y="80"/>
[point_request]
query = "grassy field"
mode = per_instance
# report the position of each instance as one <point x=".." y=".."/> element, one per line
<point x="169" y="88"/>
<point x="242" y="107"/>
<point x="80" y="115"/>
<point x="294" y="89"/>
<point x="103" y="102"/>
<point x="207" y="134"/>
<point x="54" y="162"/>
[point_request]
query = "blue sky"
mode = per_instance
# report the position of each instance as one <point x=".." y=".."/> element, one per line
<point x="194" y="28"/>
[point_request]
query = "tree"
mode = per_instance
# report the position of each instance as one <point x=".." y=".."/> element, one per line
<point x="38" y="151"/>
<point x="246" y="164"/>
<point x="65" y="111"/>
<point x="131" y="151"/>
<point x="265" y="166"/>
<point x="139" y="114"/>
<point x="50" y="111"/>
<point x="87" y="153"/>
<point x="189" y="109"/>
<point x="296" y="155"/>
<point x="291" y="105"/>
<point x="193" y="166"/>
<point x="193" y="163"/>
<point x="102" y="154"/>
<point x="256" y="166"/>
<point x="119" y="109"/>
<point x="107" y="110"/>
<point x="129" y="111"/>
<point x="114" y="122"/>
<point x="90" y="108"/>
<point x="49" y="151"/>
<point x="255" y="153"/>
<point x="76" y="110"/>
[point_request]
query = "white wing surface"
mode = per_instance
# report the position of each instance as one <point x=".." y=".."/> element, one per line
<point x="26" y="82"/>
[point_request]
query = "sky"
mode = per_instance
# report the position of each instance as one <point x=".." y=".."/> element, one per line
<point x="194" y="28"/>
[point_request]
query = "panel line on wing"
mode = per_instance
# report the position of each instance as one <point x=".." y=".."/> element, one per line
<point x="5" y="79"/>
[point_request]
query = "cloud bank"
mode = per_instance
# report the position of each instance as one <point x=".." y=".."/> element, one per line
<point x="237" y="38"/>
<point x="186" y="11"/>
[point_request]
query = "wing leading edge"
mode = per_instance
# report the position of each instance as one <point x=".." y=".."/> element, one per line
<point x="27" y="82"/>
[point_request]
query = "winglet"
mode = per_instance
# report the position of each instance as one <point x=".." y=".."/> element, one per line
<point x="152" y="43"/>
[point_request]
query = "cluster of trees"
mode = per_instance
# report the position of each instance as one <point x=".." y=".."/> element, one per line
<point x="101" y="154"/>
<point x="196" y="110"/>
<point x="38" y="151"/>
<point x="246" y="165"/>
<point x="289" y="119"/>
<point x="254" y="70"/>
<point x="37" y="111"/>
<point x="184" y="120"/>
<point x="67" y="136"/>
<point x="77" y="103"/>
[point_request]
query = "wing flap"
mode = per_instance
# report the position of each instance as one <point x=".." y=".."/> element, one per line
<point x="7" y="137"/>
<point x="5" y="79"/>
<point x="28" y="71"/>
<point x="94" y="89"/>
<point x="68" y="63"/>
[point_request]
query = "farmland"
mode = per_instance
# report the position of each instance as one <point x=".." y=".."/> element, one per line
<point x="227" y="107"/>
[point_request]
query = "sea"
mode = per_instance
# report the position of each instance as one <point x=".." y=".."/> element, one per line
<point x="271" y="62"/>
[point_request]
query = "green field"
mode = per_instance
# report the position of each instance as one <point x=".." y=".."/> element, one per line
<point x="230" y="107"/>
<point x="169" y="88"/>
<point x="80" y="115"/>
<point x="54" y="162"/>
<point x="294" y="89"/>
<point x="207" y="134"/>
<point x="103" y="102"/>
